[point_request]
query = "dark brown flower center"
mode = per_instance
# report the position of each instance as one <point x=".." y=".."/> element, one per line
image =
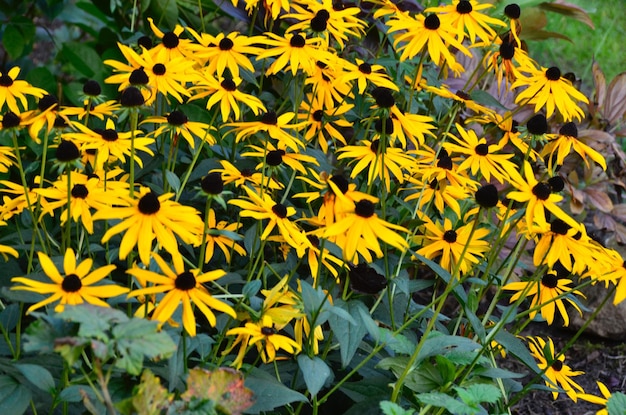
<point x="47" y="101"/>
<point x="550" y="281"/>
<point x="226" y="44"/>
<point x="553" y="73"/>
<point x="185" y="281"/>
<point x="228" y="84"/>
<point x="388" y="125"/>
<point x="92" y="88"/>
<point x="268" y="331"/>
<point x="557" y="365"/>
<point x="364" y="208"/>
<point x="280" y="210"/>
<point x="6" y="80"/>
<point x="274" y="157"/>
<point x="449" y="236"/>
<point x="10" y="120"/>
<point x="170" y="40"/>
<point x="569" y="129"/>
<point x="318" y="115"/>
<point x="212" y="183"/>
<point x="71" y="283"/>
<point x="67" y="151"/>
<point x="512" y="11"/>
<point x="542" y="191"/>
<point x="365" y="68"/>
<point x="269" y="118"/>
<point x="556" y="184"/>
<point x="138" y="77"/>
<point x="109" y="135"/>
<point x="149" y="203"/>
<point x="131" y="97"/>
<point x="432" y="22"/>
<point x="558" y="226"/>
<point x="464" y="7"/>
<point x="507" y="50"/>
<point x="159" y="69"/>
<point x="537" y="125"/>
<point x="79" y="191"/>
<point x="482" y="149"/>
<point x="341" y="182"/>
<point x="383" y="96"/>
<point x="487" y="196"/>
<point x="177" y="117"/>
<point x="297" y="41"/>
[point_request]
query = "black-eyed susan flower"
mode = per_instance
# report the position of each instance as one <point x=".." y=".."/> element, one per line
<point x="276" y="126"/>
<point x="275" y="156"/>
<point x="172" y="44"/>
<point x="178" y="124"/>
<point x="457" y="248"/>
<point x="364" y="73"/>
<point x="382" y="163"/>
<point x="109" y="144"/>
<point x="560" y="242"/>
<point x="267" y="339"/>
<point x="263" y="207"/>
<point x="77" y="285"/>
<point x="148" y="217"/>
<point x="507" y="61"/>
<point x="566" y="141"/>
<point x="180" y="286"/>
<point x="599" y="400"/>
<point x="47" y="115"/>
<point x="5" y="249"/>
<point x="225" y="92"/>
<point x="410" y="127"/>
<point x="546" y="88"/>
<point x="555" y="370"/>
<point x="431" y="165"/>
<point x="325" y="19"/>
<point x="86" y="193"/>
<point x="482" y="159"/>
<point x="223" y="235"/>
<point x="222" y="52"/>
<point x="231" y="174"/>
<point x="360" y="230"/>
<point x="545" y="294"/>
<point x="323" y="123"/>
<point x="23" y="199"/>
<point x="293" y="52"/>
<point x="100" y="111"/>
<point x="440" y="192"/>
<point x="466" y="18"/>
<point x="326" y="83"/>
<point x="538" y="197"/>
<point x="430" y="33"/>
<point x="13" y="90"/>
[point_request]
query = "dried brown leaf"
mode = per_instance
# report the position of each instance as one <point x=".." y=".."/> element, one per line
<point x="604" y="221"/>
<point x="599" y="81"/>
<point x="599" y="199"/>
<point x="615" y="102"/>
<point x="620" y="233"/>
<point x="569" y="10"/>
<point x="619" y="212"/>
<point x="224" y="386"/>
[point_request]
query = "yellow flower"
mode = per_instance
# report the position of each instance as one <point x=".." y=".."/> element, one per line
<point x="294" y="51"/>
<point x="231" y="174"/>
<point x="548" y="89"/>
<point x="322" y="121"/>
<point x="221" y="234"/>
<point x="544" y="296"/>
<point x="275" y="125"/>
<point x="75" y="287"/>
<point x="558" y="374"/>
<point x="566" y="141"/>
<point x="606" y="394"/>
<point x="278" y="156"/>
<point x="149" y="217"/>
<point x="180" y="286"/>
<point x="172" y="45"/>
<point x="365" y="73"/>
<point x="225" y="93"/>
<point x="13" y="89"/>
<point x="177" y="124"/>
<point x="464" y="16"/>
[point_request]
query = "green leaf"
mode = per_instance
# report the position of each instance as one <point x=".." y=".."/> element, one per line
<point x="315" y="372"/>
<point x="173" y="180"/>
<point x="14" y="398"/>
<point x="95" y="322"/>
<point x="83" y="58"/>
<point x="438" y="343"/>
<point x="515" y="346"/>
<point x="349" y="334"/>
<point x="269" y="393"/>
<point x="483" y="392"/>
<point x="165" y="13"/>
<point x="616" y="404"/>
<point x="391" y="408"/>
<point x="485" y="98"/>
<point x="37" y="375"/>
<point x="446" y="368"/>
<point x="13" y="41"/>
<point x="441" y="400"/>
<point x="9" y="317"/>
<point x="399" y="343"/>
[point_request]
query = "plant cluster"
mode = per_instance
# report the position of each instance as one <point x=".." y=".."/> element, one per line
<point x="357" y="203"/>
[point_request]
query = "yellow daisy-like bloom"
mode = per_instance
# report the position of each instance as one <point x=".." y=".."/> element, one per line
<point x="566" y="141"/>
<point x="274" y="125"/>
<point x="24" y="199"/>
<point x="539" y="198"/>
<point x="480" y="157"/>
<point x="7" y="250"/>
<point x="172" y="45"/>
<point x="231" y="174"/>
<point x="277" y="156"/>
<point x="326" y="83"/>
<point x="46" y="115"/>
<point x="381" y="163"/>
<point x="606" y="394"/>
<point x="294" y="52"/>
<point x="225" y="93"/>
<point x="13" y="89"/>
<point x="426" y="32"/>
<point x="364" y="73"/>
<point x="323" y="18"/>
<point x="266" y="338"/>
<point x="263" y="207"/>
<point x="560" y="242"/>
<point x="86" y="193"/>
<point x="431" y="165"/>
<point x="148" y="217"/>
<point x="507" y="61"/>
<point x="108" y="144"/>
<point x="180" y="285"/>
<point x="221" y="234"/>
<point x="222" y="52"/>
<point x="453" y="247"/>
<point x="546" y="88"/>
<point x="76" y="286"/>
<point x="100" y="111"/>
<point x="322" y="122"/>
<point x="556" y="370"/>
<point x="361" y="229"/>
<point x="7" y="158"/>
<point x="543" y="295"/>
<point x="177" y="124"/>
<point x="412" y="126"/>
<point x="441" y="193"/>
<point x="464" y="16"/>
<point x="615" y="273"/>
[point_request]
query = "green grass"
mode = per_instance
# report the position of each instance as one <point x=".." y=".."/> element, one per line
<point x="605" y="43"/>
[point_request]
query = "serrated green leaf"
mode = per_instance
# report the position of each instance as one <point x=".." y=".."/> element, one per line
<point x="397" y="342"/>
<point x="95" y="322"/>
<point x="37" y="375"/>
<point x="616" y="404"/>
<point x="269" y="393"/>
<point x="137" y="339"/>
<point x="13" y="41"/>
<point x="391" y="408"/>
<point x="446" y="368"/>
<point x="441" y="400"/>
<point x="483" y="392"/>
<point x="315" y="372"/>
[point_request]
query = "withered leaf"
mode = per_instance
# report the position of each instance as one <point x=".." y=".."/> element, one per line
<point x="599" y="199"/>
<point x="224" y="386"/>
